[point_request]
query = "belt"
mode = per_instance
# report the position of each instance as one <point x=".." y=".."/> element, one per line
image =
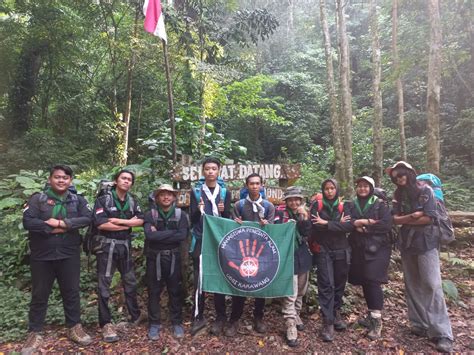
<point x="169" y="252"/>
<point x="112" y="243"/>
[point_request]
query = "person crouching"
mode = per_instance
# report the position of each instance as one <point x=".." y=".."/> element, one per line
<point x="166" y="227"/>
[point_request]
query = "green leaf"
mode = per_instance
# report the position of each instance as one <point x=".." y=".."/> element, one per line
<point x="450" y="290"/>
<point x="10" y="202"/>
<point x="27" y="183"/>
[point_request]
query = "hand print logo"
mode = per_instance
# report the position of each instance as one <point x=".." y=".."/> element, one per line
<point x="249" y="265"/>
<point x="249" y="258"/>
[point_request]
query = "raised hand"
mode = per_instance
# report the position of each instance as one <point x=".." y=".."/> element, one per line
<point x="249" y="265"/>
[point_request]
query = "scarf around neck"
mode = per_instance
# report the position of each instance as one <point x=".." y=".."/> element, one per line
<point x="212" y="197"/>
<point x="257" y="206"/>
<point x="59" y="209"/>
<point x="118" y="204"/>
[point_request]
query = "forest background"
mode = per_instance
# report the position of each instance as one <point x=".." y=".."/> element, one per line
<point x="81" y="83"/>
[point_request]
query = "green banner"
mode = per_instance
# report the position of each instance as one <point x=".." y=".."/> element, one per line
<point x="247" y="259"/>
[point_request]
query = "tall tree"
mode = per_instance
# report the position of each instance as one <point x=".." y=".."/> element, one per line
<point x="433" y="89"/>
<point x="398" y="81"/>
<point x="346" y="96"/>
<point x="333" y="112"/>
<point x="377" y="95"/>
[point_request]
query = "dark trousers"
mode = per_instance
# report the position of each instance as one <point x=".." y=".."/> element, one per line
<point x="173" y="280"/>
<point x="43" y="274"/>
<point x="122" y="262"/>
<point x="332" y="271"/>
<point x="373" y="295"/>
<point x="238" y="307"/>
<point x="219" y="299"/>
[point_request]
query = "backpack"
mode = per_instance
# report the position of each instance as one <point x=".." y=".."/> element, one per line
<point x="318" y="201"/>
<point x="266" y="206"/>
<point x="445" y="226"/>
<point x="197" y="189"/>
<point x="93" y="241"/>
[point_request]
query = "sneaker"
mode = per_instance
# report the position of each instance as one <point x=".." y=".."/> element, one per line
<point x="291" y="333"/>
<point x="109" y="334"/>
<point x="339" y="323"/>
<point x="231" y="329"/>
<point x="259" y="325"/>
<point x="198" y="324"/>
<point x="217" y="327"/>
<point x="32" y="344"/>
<point x="79" y="336"/>
<point x="375" y="330"/>
<point x="444" y="345"/>
<point x="178" y="331"/>
<point x="154" y="332"/>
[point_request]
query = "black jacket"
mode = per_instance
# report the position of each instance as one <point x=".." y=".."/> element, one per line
<point x="104" y="208"/>
<point x="332" y="236"/>
<point x="375" y="240"/>
<point x="46" y="246"/>
<point x="302" y="256"/>
<point x="164" y="235"/>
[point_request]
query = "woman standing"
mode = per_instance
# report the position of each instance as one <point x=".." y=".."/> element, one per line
<point x="331" y="251"/>
<point x="415" y="211"/>
<point x="371" y="248"/>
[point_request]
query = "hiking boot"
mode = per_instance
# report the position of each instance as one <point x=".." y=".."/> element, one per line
<point x="198" y="324"/>
<point x="32" y="344"/>
<point x="79" y="336"/>
<point x="109" y="334"/>
<point x="339" y="323"/>
<point x="291" y="333"/>
<point x="327" y="332"/>
<point x="231" y="329"/>
<point x="178" y="331"/>
<point x="375" y="330"/>
<point x="154" y="332"/>
<point x="418" y="331"/>
<point x="217" y="327"/>
<point x="259" y="325"/>
<point x="444" y="345"/>
<point x="365" y="321"/>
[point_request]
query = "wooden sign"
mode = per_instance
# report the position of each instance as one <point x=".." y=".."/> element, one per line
<point x="231" y="172"/>
<point x="274" y="195"/>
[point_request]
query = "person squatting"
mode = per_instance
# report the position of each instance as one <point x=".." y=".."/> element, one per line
<point x="346" y="242"/>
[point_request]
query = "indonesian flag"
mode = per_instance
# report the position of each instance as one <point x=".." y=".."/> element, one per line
<point x="154" y="19"/>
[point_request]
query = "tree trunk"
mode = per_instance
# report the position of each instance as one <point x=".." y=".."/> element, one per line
<point x="377" y="96"/>
<point x="433" y="89"/>
<point x="398" y="81"/>
<point x="289" y="21"/>
<point x="346" y="98"/>
<point x="335" y="126"/>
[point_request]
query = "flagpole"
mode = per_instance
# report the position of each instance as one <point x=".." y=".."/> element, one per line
<point x="170" y="101"/>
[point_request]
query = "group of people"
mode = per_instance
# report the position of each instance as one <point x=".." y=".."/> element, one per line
<point x="347" y="241"/>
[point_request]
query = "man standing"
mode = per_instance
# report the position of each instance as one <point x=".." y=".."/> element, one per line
<point x="53" y="219"/>
<point x="256" y="209"/>
<point x="166" y="227"/>
<point x="210" y="198"/>
<point x="115" y="213"/>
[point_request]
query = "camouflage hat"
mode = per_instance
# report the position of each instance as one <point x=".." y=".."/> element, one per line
<point x="293" y="191"/>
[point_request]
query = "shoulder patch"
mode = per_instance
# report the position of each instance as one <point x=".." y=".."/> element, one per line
<point x="99" y="211"/>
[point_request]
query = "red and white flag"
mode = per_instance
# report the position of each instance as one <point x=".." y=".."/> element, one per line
<point x="154" y="19"/>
